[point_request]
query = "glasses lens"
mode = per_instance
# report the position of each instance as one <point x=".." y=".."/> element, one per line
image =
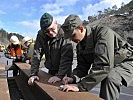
<point x="46" y="31"/>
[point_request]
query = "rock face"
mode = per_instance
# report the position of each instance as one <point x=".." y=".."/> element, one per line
<point x="122" y="24"/>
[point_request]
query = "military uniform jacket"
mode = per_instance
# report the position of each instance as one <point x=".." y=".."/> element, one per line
<point x="58" y="53"/>
<point x="101" y="51"/>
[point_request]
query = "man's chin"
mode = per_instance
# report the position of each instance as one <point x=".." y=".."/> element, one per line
<point x="76" y="41"/>
<point x="52" y="36"/>
<point x="55" y="35"/>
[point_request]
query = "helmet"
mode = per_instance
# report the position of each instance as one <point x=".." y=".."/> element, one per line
<point x="25" y="39"/>
<point x="14" y="39"/>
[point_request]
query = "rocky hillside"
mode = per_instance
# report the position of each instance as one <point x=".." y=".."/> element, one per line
<point x="120" y="21"/>
<point x="122" y="24"/>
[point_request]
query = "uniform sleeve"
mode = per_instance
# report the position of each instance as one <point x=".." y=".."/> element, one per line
<point x="104" y="49"/>
<point x="37" y="54"/>
<point x="65" y="66"/>
<point x="103" y="60"/>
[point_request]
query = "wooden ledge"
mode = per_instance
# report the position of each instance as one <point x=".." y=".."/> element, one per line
<point x="52" y="89"/>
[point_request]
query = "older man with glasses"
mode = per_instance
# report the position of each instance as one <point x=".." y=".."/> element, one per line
<point x="59" y="52"/>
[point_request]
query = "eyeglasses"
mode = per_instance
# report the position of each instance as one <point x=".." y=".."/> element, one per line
<point x="46" y="31"/>
<point x="50" y="29"/>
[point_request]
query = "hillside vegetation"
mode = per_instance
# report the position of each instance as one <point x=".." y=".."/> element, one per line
<point x="120" y="20"/>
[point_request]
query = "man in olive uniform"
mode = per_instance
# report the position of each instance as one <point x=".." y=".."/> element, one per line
<point x="102" y="56"/>
<point x="58" y="52"/>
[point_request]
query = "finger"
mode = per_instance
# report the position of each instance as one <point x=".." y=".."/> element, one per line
<point x="29" y="82"/>
<point x="32" y="80"/>
<point x="50" y="80"/>
<point x="54" y="81"/>
<point x="69" y="89"/>
<point x="65" y="88"/>
<point x="37" y="78"/>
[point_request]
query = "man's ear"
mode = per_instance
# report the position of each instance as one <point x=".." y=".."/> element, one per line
<point x="81" y="28"/>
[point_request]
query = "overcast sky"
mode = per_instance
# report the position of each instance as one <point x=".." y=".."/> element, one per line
<point x="22" y="16"/>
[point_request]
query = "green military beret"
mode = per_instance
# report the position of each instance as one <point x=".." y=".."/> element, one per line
<point x="46" y="20"/>
<point x="71" y="22"/>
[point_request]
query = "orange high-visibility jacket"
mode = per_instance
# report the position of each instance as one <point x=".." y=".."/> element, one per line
<point x="19" y="50"/>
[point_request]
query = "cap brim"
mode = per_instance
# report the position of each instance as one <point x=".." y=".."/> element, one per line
<point x="29" y="41"/>
<point x="68" y="34"/>
<point x="17" y="42"/>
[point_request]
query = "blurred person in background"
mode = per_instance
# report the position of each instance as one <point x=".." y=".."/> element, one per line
<point x="28" y="46"/>
<point x="14" y="51"/>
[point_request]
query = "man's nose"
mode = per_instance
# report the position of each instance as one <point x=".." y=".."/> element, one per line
<point x="50" y="32"/>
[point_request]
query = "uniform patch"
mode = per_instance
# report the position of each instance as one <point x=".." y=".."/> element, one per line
<point x="100" y="49"/>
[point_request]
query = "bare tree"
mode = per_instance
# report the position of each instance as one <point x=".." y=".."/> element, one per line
<point x="114" y="7"/>
<point x="122" y="4"/>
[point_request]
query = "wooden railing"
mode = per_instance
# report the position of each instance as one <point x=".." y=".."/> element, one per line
<point x="42" y="90"/>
